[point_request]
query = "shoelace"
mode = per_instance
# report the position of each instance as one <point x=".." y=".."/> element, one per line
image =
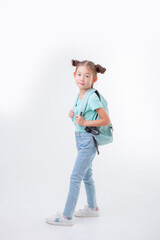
<point x="59" y="217"/>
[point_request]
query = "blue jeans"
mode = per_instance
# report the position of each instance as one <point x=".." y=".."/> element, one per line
<point x="82" y="171"/>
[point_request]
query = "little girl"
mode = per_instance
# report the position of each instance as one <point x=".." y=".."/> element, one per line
<point x="85" y="76"/>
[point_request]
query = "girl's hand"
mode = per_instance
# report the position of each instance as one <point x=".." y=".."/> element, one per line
<point x="71" y="113"/>
<point x="80" y="120"/>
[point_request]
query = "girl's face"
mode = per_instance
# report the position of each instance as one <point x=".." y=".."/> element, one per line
<point x="83" y="77"/>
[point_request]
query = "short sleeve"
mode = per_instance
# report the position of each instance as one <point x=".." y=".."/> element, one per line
<point x="94" y="102"/>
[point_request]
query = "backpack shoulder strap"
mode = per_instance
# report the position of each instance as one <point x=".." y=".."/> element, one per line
<point x="98" y="94"/>
<point x="99" y="99"/>
<point x="75" y="101"/>
<point x="84" y="101"/>
<point x="74" y="105"/>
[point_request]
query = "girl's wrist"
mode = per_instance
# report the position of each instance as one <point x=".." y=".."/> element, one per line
<point x="85" y="123"/>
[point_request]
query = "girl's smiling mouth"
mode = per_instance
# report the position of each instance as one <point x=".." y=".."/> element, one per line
<point x="81" y="83"/>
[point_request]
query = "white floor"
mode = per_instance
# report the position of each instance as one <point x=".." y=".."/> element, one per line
<point x="129" y="204"/>
<point x="29" y="223"/>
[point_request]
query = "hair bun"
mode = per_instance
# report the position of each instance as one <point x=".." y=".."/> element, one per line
<point x="75" y="62"/>
<point x="100" y="69"/>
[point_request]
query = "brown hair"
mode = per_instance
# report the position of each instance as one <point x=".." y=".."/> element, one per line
<point x="95" y="68"/>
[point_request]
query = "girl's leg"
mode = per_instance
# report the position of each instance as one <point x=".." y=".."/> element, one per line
<point x="86" y="154"/>
<point x="90" y="188"/>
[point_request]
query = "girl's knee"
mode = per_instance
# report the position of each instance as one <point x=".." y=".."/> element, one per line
<point x="75" y="178"/>
<point x="88" y="179"/>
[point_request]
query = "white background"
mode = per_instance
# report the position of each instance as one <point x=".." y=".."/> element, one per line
<point x="38" y="40"/>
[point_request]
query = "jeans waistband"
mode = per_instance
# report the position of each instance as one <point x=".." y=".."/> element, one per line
<point x="82" y="134"/>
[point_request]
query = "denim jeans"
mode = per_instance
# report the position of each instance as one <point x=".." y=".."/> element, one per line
<point x="82" y="171"/>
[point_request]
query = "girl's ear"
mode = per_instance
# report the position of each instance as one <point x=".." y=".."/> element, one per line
<point x="74" y="74"/>
<point x="95" y="79"/>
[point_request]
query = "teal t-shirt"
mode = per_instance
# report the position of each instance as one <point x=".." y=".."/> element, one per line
<point x="90" y="113"/>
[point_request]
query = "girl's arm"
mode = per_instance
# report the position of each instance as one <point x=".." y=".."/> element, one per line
<point x="95" y="123"/>
<point x="99" y="122"/>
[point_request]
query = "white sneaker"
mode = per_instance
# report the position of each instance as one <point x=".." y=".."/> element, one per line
<point x="87" y="212"/>
<point x="59" y="219"/>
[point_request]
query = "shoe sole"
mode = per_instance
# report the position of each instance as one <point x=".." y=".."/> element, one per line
<point x="86" y="216"/>
<point x="59" y="224"/>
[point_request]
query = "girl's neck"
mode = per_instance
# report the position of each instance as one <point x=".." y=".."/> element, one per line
<point x="81" y="93"/>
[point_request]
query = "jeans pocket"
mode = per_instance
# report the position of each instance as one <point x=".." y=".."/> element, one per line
<point x="85" y="142"/>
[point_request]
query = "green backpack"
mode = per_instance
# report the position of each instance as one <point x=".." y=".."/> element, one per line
<point x="104" y="134"/>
